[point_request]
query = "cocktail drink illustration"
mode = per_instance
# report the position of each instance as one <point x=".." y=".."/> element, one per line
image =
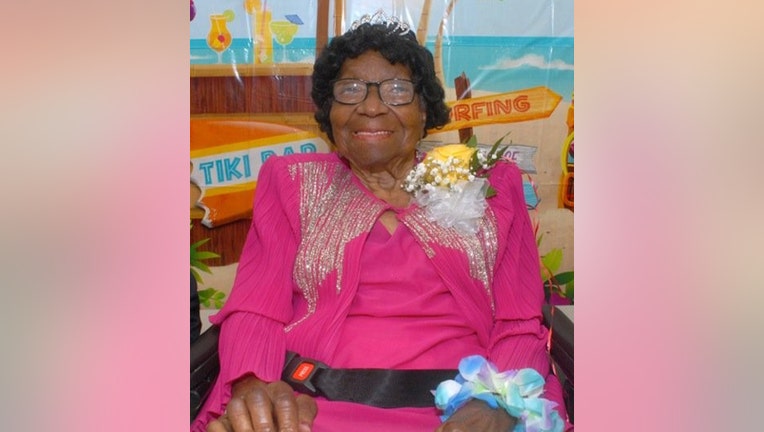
<point x="284" y="32"/>
<point x="219" y="38"/>
<point x="251" y="6"/>
<point x="262" y="41"/>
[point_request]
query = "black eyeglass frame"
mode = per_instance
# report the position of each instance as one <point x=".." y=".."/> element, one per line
<point x="379" y="92"/>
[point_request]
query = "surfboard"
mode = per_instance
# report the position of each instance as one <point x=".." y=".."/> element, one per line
<point x="226" y="156"/>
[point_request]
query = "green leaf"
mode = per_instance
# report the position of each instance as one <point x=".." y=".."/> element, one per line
<point x="203" y="255"/>
<point x="494" y="148"/>
<point x="552" y="259"/>
<point x="196" y="253"/>
<point x="210" y="297"/>
<point x="200" y="266"/>
<point x="496" y="144"/>
<point x="471" y="142"/>
<point x="198" y="256"/>
<point x="564" y="278"/>
<point x="569" y="291"/>
<point x="199" y="243"/>
<point x="205" y="295"/>
<point x="496" y="152"/>
<point x="196" y="275"/>
<point x="474" y="163"/>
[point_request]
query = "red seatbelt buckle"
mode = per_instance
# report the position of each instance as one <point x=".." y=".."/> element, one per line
<point x="299" y="372"/>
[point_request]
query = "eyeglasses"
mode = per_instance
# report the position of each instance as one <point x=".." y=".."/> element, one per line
<point x="393" y="92"/>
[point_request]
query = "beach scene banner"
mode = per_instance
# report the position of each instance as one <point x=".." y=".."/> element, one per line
<point x="515" y="57"/>
<point x="507" y="67"/>
<point x="500" y="45"/>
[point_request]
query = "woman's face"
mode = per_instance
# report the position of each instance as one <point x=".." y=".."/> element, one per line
<point x="371" y="135"/>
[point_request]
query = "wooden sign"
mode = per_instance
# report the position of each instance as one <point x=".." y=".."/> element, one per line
<point x="529" y="104"/>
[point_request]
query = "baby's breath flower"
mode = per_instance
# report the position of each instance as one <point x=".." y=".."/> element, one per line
<point x="446" y="166"/>
<point x="450" y="184"/>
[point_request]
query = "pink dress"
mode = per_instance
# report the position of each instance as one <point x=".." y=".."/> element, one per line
<point x="420" y="298"/>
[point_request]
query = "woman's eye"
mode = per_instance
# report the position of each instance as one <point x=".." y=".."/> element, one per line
<point x="352" y="89"/>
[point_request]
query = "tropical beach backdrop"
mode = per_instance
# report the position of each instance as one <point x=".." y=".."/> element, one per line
<point x="507" y="65"/>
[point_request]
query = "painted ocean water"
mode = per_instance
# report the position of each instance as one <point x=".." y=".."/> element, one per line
<point x="493" y="64"/>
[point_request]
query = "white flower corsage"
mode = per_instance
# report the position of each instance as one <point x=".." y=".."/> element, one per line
<point x="450" y="183"/>
<point x="516" y="391"/>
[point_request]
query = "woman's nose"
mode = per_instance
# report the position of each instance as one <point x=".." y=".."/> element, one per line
<point x="373" y="104"/>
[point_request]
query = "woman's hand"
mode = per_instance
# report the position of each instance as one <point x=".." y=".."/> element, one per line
<point x="259" y="406"/>
<point x="477" y="416"/>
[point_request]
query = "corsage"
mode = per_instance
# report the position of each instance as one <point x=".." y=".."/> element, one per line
<point x="516" y="391"/>
<point x="450" y="184"/>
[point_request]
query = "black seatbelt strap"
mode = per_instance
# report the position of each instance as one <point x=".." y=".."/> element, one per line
<point x="384" y="388"/>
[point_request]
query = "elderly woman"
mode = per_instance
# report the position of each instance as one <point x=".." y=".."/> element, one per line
<point x="342" y="266"/>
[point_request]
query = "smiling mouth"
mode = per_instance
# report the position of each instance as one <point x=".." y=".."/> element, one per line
<point x="372" y="134"/>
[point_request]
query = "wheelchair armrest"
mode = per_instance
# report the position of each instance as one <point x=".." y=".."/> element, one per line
<point x="205" y="366"/>
<point x="561" y="351"/>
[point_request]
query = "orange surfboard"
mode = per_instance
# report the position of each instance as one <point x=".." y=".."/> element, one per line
<point x="226" y="156"/>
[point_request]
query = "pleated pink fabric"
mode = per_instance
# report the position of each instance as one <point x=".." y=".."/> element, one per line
<point x="417" y="298"/>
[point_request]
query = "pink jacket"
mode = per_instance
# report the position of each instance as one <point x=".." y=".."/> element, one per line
<point x="297" y="275"/>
